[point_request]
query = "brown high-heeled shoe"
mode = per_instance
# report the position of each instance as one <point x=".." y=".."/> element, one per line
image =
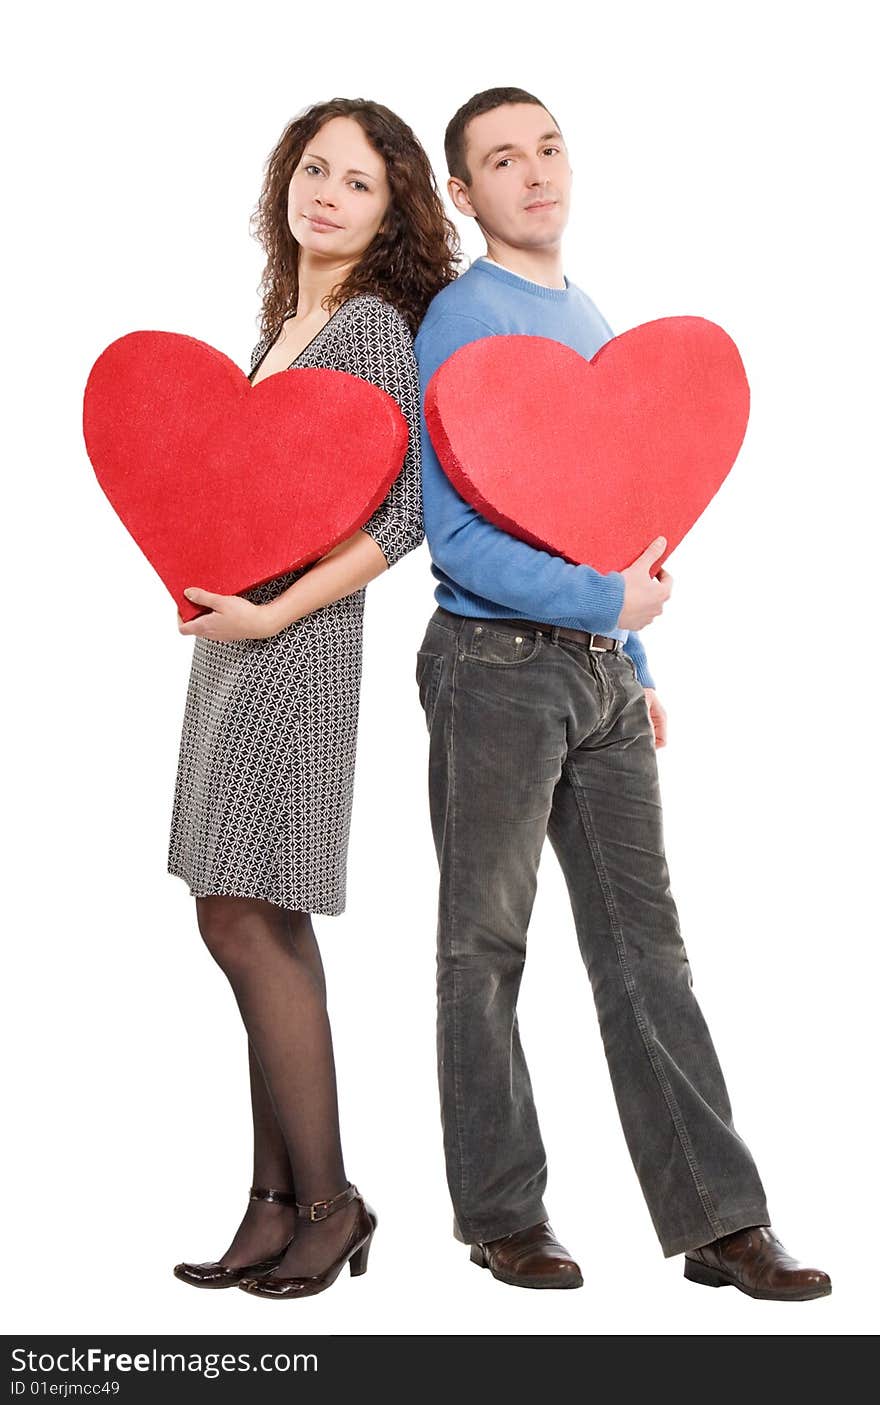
<point x="217" y="1275"/>
<point x="354" y="1252"/>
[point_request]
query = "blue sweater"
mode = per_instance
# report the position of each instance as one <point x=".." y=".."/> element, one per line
<point x="482" y="570"/>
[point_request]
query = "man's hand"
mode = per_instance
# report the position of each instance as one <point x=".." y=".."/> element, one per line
<point x="231" y="617"/>
<point x="657" y="714"/>
<point x="644" y="594"/>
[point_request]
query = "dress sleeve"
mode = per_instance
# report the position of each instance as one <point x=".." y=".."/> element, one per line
<point x="381" y="352"/>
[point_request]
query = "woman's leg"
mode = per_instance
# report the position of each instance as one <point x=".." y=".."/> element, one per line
<point x="271" y="1162"/>
<point x="273" y="964"/>
<point x="266" y="1225"/>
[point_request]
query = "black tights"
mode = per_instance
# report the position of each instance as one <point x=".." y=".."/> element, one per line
<point x="272" y="960"/>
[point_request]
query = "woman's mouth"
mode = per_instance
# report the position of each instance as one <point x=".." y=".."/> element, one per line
<point x="318" y="223"/>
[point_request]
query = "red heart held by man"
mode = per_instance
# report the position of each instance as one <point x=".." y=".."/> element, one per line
<point x="592" y="460"/>
<point x="225" y="485"/>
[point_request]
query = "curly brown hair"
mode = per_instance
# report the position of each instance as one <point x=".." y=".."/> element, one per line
<point x="408" y="261"/>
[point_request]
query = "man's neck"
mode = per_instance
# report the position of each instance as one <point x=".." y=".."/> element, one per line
<point x="542" y="266"/>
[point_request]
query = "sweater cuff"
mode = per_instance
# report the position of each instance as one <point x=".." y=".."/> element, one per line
<point x="644" y="674"/>
<point x="635" y="650"/>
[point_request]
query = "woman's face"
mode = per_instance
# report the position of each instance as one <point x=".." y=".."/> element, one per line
<point x="338" y="193"/>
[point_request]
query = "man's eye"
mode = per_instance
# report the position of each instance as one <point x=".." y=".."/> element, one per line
<point x="502" y="161"/>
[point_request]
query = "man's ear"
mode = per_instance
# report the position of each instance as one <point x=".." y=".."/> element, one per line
<point x="458" y="194"/>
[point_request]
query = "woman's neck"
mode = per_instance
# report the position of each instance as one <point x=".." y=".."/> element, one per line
<point x="316" y="278"/>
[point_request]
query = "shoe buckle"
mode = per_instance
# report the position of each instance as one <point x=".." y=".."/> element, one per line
<point x="319" y="1210"/>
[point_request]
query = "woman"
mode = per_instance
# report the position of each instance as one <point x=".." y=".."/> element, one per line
<point x="357" y="244"/>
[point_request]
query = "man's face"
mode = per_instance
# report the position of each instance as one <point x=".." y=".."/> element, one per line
<point x="520" y="176"/>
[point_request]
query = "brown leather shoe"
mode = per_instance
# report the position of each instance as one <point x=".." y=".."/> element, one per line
<point x="754" y="1261"/>
<point x="530" y="1258"/>
<point x="217" y="1275"/>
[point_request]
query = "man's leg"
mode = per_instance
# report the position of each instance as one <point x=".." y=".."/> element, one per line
<point x="696" y="1173"/>
<point x="495" y="759"/>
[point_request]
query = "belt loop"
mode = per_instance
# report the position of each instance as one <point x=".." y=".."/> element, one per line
<point x="554" y="634"/>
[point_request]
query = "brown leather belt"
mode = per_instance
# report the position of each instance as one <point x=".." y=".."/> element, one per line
<point x="601" y="643"/>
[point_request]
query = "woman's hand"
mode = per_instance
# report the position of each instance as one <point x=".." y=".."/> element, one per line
<point x="231" y="617"/>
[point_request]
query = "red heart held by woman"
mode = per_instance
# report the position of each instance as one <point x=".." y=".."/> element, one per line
<point x="592" y="460"/>
<point x="225" y="485"/>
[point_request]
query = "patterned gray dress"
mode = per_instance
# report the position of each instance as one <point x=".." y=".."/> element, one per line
<point x="265" y="777"/>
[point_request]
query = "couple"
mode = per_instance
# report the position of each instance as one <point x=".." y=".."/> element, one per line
<point x="543" y="720"/>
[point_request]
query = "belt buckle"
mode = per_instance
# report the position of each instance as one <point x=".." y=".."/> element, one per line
<point x="613" y="648"/>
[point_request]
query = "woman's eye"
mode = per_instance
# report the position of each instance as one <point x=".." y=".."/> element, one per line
<point x="313" y="168"/>
<point x="361" y="184"/>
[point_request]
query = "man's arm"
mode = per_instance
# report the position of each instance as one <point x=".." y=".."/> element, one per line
<point x="481" y="557"/>
<point x="636" y="650"/>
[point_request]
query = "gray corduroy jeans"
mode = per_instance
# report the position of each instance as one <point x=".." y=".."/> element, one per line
<point x="531" y="735"/>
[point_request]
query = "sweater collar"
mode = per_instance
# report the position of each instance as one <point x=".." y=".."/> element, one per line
<point x="515" y="280"/>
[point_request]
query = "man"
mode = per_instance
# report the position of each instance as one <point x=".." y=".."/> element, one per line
<point x="543" y="720"/>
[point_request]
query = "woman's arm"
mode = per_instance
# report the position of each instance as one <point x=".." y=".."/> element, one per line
<point x="345" y="569"/>
<point x="380" y="351"/>
<point x="350" y="565"/>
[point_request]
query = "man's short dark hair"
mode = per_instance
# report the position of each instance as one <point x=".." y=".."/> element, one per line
<point x="487" y="101"/>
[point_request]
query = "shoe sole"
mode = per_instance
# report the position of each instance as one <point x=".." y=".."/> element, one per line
<point x="214" y="1287"/>
<point x="717" y="1278"/>
<point x="253" y="1286"/>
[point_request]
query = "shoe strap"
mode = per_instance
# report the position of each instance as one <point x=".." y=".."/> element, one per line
<point x="320" y="1209"/>
<point x="280" y="1197"/>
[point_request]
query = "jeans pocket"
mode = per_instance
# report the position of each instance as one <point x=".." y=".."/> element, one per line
<point x="429" y="670"/>
<point x="499" y="648"/>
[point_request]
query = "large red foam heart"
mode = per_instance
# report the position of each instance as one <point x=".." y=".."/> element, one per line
<point x="592" y="460"/>
<point x="223" y="484"/>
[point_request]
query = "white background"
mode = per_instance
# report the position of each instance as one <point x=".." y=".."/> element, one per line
<point x="724" y="167"/>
